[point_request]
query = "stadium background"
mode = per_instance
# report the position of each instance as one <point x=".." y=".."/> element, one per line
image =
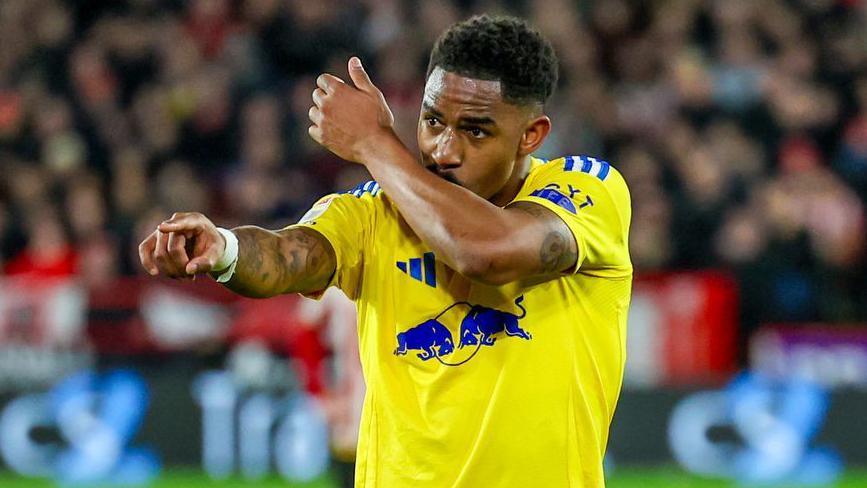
<point x="740" y="126"/>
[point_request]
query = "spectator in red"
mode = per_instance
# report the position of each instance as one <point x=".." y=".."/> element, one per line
<point x="48" y="253"/>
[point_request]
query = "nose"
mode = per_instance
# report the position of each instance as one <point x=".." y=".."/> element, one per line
<point x="448" y="152"/>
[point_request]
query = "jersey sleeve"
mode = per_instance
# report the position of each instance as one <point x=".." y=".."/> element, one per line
<point x="346" y="221"/>
<point x="592" y="199"/>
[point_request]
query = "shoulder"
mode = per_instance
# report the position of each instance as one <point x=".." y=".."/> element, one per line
<point x="587" y="171"/>
<point x="592" y="198"/>
<point x="368" y="188"/>
<point x="583" y="167"/>
<point x="365" y="194"/>
<point x="355" y="203"/>
<point x="584" y="185"/>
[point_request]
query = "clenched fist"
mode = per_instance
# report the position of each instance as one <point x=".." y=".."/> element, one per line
<point x="186" y="244"/>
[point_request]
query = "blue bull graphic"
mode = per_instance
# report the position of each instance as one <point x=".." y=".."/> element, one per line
<point x="478" y="327"/>
<point x="481" y="323"/>
<point x="425" y="337"/>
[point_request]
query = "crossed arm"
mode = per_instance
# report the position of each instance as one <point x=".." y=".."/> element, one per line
<point x="480" y="240"/>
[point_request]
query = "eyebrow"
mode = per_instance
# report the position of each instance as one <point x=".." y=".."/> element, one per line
<point x="481" y="120"/>
<point x="430" y="108"/>
<point x="478" y="120"/>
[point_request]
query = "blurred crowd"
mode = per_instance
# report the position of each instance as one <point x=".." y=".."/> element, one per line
<point x="740" y="126"/>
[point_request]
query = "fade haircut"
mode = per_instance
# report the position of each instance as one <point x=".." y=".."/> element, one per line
<point x="504" y="49"/>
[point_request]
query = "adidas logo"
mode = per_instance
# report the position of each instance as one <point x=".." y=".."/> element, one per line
<point x="421" y="269"/>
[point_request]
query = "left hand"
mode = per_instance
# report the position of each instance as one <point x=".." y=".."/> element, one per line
<point x="350" y="121"/>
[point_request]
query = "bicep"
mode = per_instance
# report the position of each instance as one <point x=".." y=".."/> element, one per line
<point x="540" y="245"/>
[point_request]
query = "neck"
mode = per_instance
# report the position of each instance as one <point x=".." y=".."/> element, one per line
<point x="513" y="185"/>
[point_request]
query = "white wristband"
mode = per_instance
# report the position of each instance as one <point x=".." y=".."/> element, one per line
<point x="225" y="266"/>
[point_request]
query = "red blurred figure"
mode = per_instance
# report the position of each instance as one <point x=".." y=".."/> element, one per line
<point x="48" y="253"/>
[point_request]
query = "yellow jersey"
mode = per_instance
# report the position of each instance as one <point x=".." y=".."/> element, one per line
<point x="470" y="385"/>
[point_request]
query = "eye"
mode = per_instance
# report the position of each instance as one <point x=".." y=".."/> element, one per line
<point x="431" y="121"/>
<point x="476" y="132"/>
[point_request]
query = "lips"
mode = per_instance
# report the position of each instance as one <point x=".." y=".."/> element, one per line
<point x="447" y="175"/>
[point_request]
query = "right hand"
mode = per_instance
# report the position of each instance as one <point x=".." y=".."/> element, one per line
<point x="182" y="246"/>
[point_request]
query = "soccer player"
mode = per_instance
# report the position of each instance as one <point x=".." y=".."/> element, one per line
<point x="492" y="287"/>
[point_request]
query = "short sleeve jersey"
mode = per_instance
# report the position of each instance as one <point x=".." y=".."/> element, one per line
<point x="474" y="385"/>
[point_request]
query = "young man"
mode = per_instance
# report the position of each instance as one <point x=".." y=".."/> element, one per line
<point x="492" y="287"/>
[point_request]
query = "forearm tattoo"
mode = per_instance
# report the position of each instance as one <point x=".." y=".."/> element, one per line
<point x="271" y="263"/>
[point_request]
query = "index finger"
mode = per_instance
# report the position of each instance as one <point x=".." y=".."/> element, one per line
<point x="328" y="82"/>
<point x="183" y="223"/>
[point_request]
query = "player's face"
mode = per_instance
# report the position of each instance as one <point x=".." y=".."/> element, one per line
<point x="467" y="134"/>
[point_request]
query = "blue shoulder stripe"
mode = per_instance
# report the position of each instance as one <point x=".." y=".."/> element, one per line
<point x="590" y="165"/>
<point x="603" y="172"/>
<point x="371" y="187"/>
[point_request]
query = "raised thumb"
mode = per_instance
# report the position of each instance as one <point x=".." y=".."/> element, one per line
<point x="359" y="76"/>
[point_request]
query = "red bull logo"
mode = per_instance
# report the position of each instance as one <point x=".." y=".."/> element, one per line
<point x="480" y="326"/>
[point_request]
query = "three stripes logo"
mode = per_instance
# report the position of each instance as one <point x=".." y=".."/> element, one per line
<point x="586" y="164"/>
<point x="421" y="269"/>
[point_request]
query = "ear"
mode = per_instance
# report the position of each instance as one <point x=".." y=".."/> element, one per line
<point x="535" y="132"/>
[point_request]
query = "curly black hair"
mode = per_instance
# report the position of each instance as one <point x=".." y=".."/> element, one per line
<point x="504" y="49"/>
